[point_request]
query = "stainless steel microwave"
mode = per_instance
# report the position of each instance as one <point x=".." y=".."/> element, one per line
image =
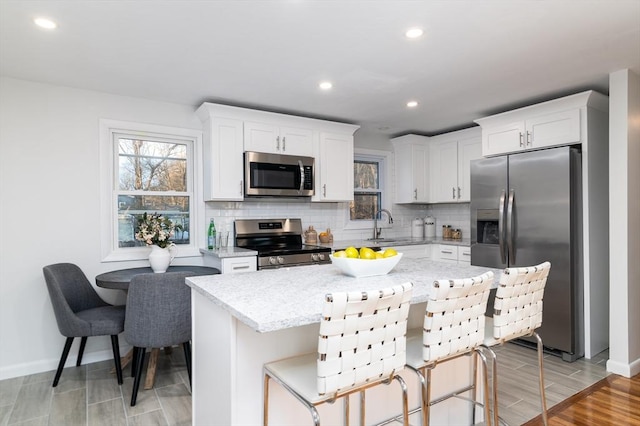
<point x="278" y="175"/>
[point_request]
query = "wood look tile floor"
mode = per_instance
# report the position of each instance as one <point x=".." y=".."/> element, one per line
<point x="89" y="395"/>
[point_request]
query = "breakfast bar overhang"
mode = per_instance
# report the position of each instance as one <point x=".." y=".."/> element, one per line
<point x="242" y="321"/>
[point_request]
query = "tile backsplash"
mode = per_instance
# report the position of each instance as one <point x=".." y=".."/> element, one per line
<point x="336" y="215"/>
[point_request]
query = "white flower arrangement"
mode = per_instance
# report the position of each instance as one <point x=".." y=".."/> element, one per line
<point x="155" y="229"/>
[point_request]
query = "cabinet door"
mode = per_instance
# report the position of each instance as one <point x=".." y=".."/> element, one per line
<point x="468" y="150"/>
<point x="560" y="128"/>
<point x="503" y="139"/>
<point x="335" y="164"/>
<point x="464" y="254"/>
<point x="223" y="168"/>
<point x="296" y="141"/>
<point x="412" y="183"/>
<point x="444" y="172"/>
<point x="261" y="137"/>
<point x="418" y="251"/>
<point x="420" y="171"/>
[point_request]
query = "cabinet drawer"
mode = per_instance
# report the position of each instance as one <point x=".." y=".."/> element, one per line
<point x="236" y="265"/>
<point x="464" y="254"/>
<point x="448" y="252"/>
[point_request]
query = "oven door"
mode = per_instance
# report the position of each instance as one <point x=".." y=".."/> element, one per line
<point x="278" y="175"/>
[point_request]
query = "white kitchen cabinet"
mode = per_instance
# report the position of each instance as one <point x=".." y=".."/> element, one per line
<point x="553" y="123"/>
<point x="222" y="155"/>
<point x="449" y="172"/>
<point x="231" y="265"/>
<point x="418" y="251"/>
<point x="452" y="254"/>
<point x="277" y="139"/>
<point x="334" y="175"/>
<point x="411" y="153"/>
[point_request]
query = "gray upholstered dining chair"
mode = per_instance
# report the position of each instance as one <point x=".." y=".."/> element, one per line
<point x="158" y="315"/>
<point x="80" y="312"/>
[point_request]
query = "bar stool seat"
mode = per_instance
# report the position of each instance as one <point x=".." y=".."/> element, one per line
<point x="361" y="343"/>
<point x="453" y="327"/>
<point x="517" y="313"/>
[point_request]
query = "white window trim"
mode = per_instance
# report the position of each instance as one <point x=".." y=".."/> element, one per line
<point x="108" y="232"/>
<point x="386" y="185"/>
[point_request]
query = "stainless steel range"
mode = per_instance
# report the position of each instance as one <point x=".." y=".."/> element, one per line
<point x="278" y="243"/>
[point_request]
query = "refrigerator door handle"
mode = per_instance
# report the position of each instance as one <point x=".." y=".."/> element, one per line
<point x="503" y="255"/>
<point x="510" y="242"/>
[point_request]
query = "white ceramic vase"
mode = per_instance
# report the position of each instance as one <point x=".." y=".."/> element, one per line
<point x="160" y="258"/>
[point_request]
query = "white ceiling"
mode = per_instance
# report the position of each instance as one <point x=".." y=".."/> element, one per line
<point x="476" y="57"/>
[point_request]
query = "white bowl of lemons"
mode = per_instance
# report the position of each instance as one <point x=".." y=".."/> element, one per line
<point x="365" y="262"/>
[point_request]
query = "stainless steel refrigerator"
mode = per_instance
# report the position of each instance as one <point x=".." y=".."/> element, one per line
<point x="526" y="208"/>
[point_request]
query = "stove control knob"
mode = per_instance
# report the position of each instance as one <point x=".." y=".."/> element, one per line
<point x="272" y="260"/>
<point x="321" y="256"/>
<point x="314" y="257"/>
<point x="280" y="260"/>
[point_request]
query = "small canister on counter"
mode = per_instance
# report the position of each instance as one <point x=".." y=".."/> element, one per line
<point x="429" y="227"/>
<point x="417" y="228"/>
<point x="446" y="232"/>
<point x="456" y="234"/>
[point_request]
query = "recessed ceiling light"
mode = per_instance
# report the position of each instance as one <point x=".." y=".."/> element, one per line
<point x="412" y="104"/>
<point x="45" y="23"/>
<point x="414" y="32"/>
<point x="325" y="85"/>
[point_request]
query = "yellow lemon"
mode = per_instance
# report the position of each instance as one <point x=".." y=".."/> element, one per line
<point x="351" y="252"/>
<point x="379" y="255"/>
<point x="340" y="253"/>
<point x="390" y="252"/>
<point x="367" y="253"/>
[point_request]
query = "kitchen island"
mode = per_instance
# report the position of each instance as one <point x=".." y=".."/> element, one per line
<point x="241" y="321"/>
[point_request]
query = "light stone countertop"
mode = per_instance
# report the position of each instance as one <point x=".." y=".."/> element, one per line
<point x="275" y="299"/>
<point x="229" y="251"/>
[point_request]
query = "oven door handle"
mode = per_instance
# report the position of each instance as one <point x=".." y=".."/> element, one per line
<point x="301" y="175"/>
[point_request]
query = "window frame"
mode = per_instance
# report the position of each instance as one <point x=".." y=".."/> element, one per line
<point x="384" y="160"/>
<point x="109" y="158"/>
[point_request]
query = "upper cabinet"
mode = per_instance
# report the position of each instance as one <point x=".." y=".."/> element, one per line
<point x="334" y="176"/>
<point x="552" y="123"/>
<point x="222" y="154"/>
<point x="411" y="154"/>
<point x="230" y="131"/>
<point x="449" y="171"/>
<point x="276" y="139"/>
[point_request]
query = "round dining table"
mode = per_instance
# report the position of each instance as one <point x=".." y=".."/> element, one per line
<point x="120" y="279"/>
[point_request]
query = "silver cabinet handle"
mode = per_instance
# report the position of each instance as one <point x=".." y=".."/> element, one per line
<point x="458" y="193"/>
<point x="238" y="267"/>
<point x="324" y="190"/>
<point x="446" y="251"/>
<point x="503" y="255"/>
<point x="510" y="242"/>
<point x="284" y="141"/>
<point x="521" y="140"/>
<point x="241" y="187"/>
<point x="529" y="141"/>
<point x="277" y="143"/>
<point x="415" y="194"/>
<point x="453" y="193"/>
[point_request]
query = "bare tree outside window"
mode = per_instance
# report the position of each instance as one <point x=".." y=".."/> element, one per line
<point x="147" y="171"/>
<point x="367" y="197"/>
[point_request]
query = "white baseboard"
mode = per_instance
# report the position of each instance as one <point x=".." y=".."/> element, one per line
<point x="622" y="369"/>
<point x="41" y="366"/>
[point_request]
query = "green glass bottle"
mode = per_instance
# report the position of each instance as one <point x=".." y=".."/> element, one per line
<point x="211" y="235"/>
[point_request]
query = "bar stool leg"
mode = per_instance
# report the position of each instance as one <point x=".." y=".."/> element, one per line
<point x="543" y="399"/>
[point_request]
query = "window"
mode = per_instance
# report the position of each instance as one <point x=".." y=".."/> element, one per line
<point x="148" y="169"/>
<point x="369" y="187"/>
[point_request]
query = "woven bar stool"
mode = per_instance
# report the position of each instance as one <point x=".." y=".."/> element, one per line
<point x="453" y="327"/>
<point x="517" y="313"/>
<point x="361" y="343"/>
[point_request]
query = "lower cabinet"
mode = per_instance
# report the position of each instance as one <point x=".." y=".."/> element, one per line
<point x="454" y="254"/>
<point x="415" y="251"/>
<point x="232" y="265"/>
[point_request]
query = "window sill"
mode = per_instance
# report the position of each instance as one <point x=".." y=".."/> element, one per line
<point x="142" y="253"/>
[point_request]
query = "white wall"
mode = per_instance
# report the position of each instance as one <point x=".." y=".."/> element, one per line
<point x="49" y="195"/>
<point x="624" y="225"/>
<point x="50" y="201"/>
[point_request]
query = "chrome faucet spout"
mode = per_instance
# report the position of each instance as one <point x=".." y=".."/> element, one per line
<point x="376" y="230"/>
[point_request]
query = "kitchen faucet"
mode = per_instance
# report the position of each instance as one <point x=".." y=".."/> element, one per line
<point x="376" y="230"/>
